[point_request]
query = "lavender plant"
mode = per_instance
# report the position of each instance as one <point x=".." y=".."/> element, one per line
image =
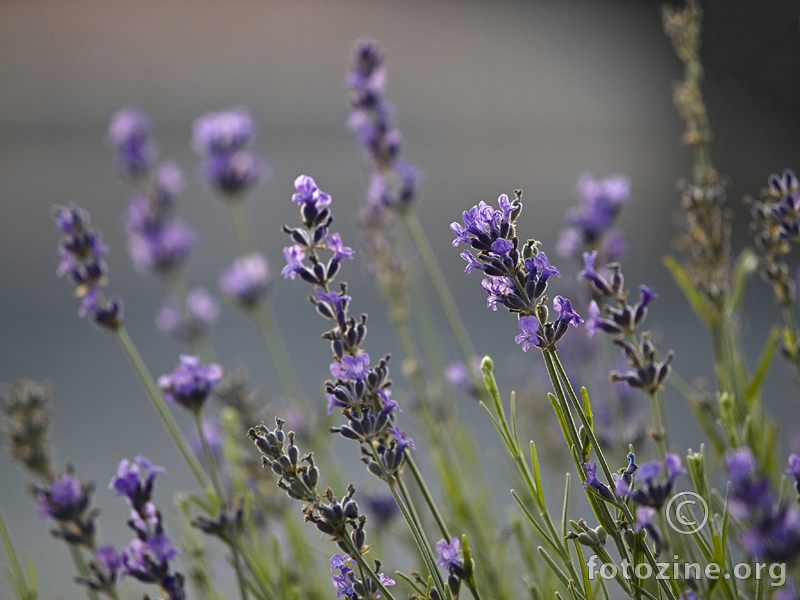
<point x="453" y="538"/>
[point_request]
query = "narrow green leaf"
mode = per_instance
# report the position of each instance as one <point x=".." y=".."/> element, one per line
<point x="587" y="583"/>
<point x="537" y="474"/>
<point x="762" y="366"/>
<point x="746" y="263"/>
<point x="564" y="508"/>
<point x="684" y="282"/>
<point x="554" y="567"/>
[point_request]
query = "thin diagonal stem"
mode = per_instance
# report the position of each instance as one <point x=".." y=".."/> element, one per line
<point x="160" y="406"/>
<point x="443" y="293"/>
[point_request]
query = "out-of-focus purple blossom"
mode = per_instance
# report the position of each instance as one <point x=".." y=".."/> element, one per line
<point x="129" y="483"/>
<point x="81" y="249"/>
<point x="223" y="139"/>
<point x="213" y="436"/>
<point x="129" y="134"/>
<point x="383" y="508"/>
<point x="394" y="183"/>
<point x="771" y="528"/>
<point x="794" y="471"/>
<point x="247" y="280"/>
<point x="458" y="374"/>
<point x="105" y="313"/>
<point x="644" y="517"/>
<point x="163" y="248"/>
<point x="201" y="312"/>
<point x="591" y="223"/>
<point x="67" y="501"/>
<point x="235" y="172"/>
<point x="224" y="131"/>
<point x="191" y="382"/>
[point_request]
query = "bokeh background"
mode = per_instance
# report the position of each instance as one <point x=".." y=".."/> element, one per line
<point x="491" y="96"/>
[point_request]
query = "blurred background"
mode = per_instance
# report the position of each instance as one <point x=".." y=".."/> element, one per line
<point x="490" y="96"/>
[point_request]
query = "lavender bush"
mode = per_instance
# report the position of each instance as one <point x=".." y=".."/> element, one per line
<point x="374" y="486"/>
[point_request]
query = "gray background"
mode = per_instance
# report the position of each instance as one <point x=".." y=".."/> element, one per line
<point x="491" y="97"/>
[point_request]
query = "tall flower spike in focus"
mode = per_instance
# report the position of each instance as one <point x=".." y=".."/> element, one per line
<point x="81" y="251"/>
<point x="223" y="140"/>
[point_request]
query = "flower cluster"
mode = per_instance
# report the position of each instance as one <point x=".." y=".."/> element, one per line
<point x="771" y="528"/>
<point x="346" y="583"/>
<point x="81" y="252"/>
<point x="147" y="557"/>
<point x="158" y="241"/>
<point x="620" y="319"/>
<point x="591" y="225"/>
<point x="515" y="278"/>
<point x="247" y="280"/>
<point x="129" y="134"/>
<point x="66" y="501"/>
<point x="202" y="311"/>
<point x="190" y="383"/>
<point x="223" y="140"/>
<point x="394" y="183"/>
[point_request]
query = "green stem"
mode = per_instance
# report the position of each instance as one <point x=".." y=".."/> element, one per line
<point x="160" y="406"/>
<point x="16" y="567"/>
<point x="81" y="568"/>
<point x="445" y="296"/>
<point x="287" y="378"/>
<point x="426" y="494"/>
<point x="241" y="226"/>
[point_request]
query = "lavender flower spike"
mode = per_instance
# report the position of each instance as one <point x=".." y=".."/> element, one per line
<point x="129" y="133"/>
<point x="190" y="383"/>
<point x="247" y="280"/>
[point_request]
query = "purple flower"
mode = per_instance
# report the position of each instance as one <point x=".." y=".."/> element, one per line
<point x="234" y="172"/>
<point x="309" y="193"/>
<point x="382" y="507"/>
<point x="528" y="326"/>
<point x="355" y="367"/>
<point x="129" y="133"/>
<point x="127" y="481"/>
<point x="202" y="311"/>
<point x="566" y="314"/>
<point x="247" y="280"/>
<point x="651" y="494"/>
<point x="223" y="132"/>
<point x="590" y="223"/>
<point x="339" y="250"/>
<point x="339" y="301"/>
<point x="448" y="553"/>
<point x="109" y="557"/>
<point x="162" y="248"/>
<point x="191" y="382"/>
<point x="65" y="499"/>
<point x="294" y="261"/>
<point x="213" y="436"/>
<point x="343" y="580"/>
<point x="103" y="313"/>
<point x="402" y="440"/>
<point x="593" y="482"/>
